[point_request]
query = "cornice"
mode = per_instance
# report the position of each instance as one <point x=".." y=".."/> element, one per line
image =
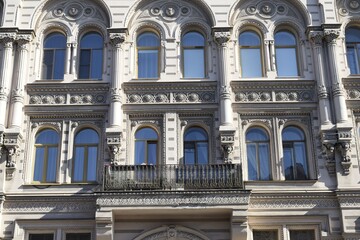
<point x="276" y="84"/>
<point x="67" y="87"/>
<point x="178" y="85"/>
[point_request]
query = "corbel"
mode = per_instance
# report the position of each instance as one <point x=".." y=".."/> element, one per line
<point x="11" y="144"/>
<point x="113" y="140"/>
<point x="227" y="139"/>
<point x="329" y="142"/>
<point x="344" y="137"/>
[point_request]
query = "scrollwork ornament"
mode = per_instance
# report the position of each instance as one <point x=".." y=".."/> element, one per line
<point x="221" y="38"/>
<point x="331" y="35"/>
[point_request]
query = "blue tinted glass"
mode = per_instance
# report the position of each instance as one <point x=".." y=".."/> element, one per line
<point x="87" y="136"/>
<point x="140" y="149"/>
<point x="148" y="39"/>
<point x="189" y="153"/>
<point x="148" y="63"/>
<point x="48" y="61"/>
<point x="92" y="159"/>
<point x="97" y="64"/>
<point x="256" y="134"/>
<point x="146" y="133"/>
<point x="202" y="152"/>
<point x="352" y="60"/>
<point x="288" y="163"/>
<point x="264" y="161"/>
<point x="285" y="39"/>
<point x="39" y="164"/>
<point x="47" y="136"/>
<point x="252" y="163"/>
<point x="292" y="134"/>
<point x="79" y="164"/>
<point x="59" y="64"/>
<point x="286" y="63"/>
<point x="301" y="161"/>
<point x="51" y="164"/>
<point x="152" y="153"/>
<point x="250" y="62"/>
<point x="249" y="39"/>
<point x="92" y="40"/>
<point x="194" y="64"/>
<point x="352" y="35"/>
<point x="196" y="134"/>
<point x="55" y="40"/>
<point x="193" y="39"/>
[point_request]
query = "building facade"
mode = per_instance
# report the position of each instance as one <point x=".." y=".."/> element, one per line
<point x="182" y="119"/>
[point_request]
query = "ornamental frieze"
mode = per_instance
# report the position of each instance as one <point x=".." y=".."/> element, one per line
<point x="282" y="202"/>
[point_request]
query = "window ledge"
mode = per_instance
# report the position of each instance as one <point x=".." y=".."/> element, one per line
<point x="280" y="184"/>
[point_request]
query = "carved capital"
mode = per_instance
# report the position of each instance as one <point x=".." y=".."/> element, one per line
<point x="316" y="37"/>
<point x="115" y="94"/>
<point x="18" y="95"/>
<point x="331" y="35"/>
<point x="338" y="89"/>
<point x="113" y="140"/>
<point x="23" y="40"/>
<point x="116" y="39"/>
<point x="322" y="92"/>
<point x="221" y="38"/>
<point x="7" y="39"/>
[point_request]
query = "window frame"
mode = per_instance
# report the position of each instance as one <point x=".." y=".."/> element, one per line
<point x="158" y="49"/>
<point x="184" y="48"/>
<point x="86" y="147"/>
<point x="46" y="146"/>
<point x="54" y="53"/>
<point x="80" y="50"/>
<point x="195" y="145"/>
<point x="295" y="47"/>
<point x="271" y="174"/>
<point x="147" y="142"/>
<point x="260" y="47"/>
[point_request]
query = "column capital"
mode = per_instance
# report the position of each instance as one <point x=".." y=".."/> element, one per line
<point x="338" y="89"/>
<point x="316" y="37"/>
<point x="116" y="39"/>
<point x="221" y="36"/>
<point x="331" y="35"/>
<point x="7" y="39"/>
<point x="23" y="40"/>
<point x="322" y="92"/>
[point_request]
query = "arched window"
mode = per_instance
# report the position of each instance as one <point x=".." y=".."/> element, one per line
<point x="286" y="54"/>
<point x="148" y="48"/>
<point x="352" y="36"/>
<point x="258" y="154"/>
<point x="146" y="146"/>
<point x="196" y="146"/>
<point x="193" y="49"/>
<point x="91" y="56"/>
<point x="54" y="56"/>
<point x="295" y="160"/>
<point x="46" y="156"/>
<point x="85" y="156"/>
<point x="250" y="54"/>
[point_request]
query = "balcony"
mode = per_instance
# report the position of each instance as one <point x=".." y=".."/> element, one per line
<point x="172" y="177"/>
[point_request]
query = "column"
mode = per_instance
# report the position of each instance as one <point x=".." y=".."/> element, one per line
<point x="5" y="75"/>
<point x="338" y="91"/>
<point x="68" y="58"/>
<point x="316" y="38"/>
<point x="18" y="89"/>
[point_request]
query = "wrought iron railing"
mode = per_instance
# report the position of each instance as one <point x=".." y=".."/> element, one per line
<point x="172" y="177"/>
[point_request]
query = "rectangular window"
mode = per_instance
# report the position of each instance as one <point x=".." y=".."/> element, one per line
<point x="302" y="234"/>
<point x="78" y="236"/>
<point x="41" y="236"/>
<point x="265" y="235"/>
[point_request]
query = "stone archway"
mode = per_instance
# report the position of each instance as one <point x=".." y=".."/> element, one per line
<point x="172" y="232"/>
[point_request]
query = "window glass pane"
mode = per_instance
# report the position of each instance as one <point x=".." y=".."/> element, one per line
<point x="41" y="236"/>
<point x="39" y="164"/>
<point x="302" y="234"/>
<point x="256" y="134"/>
<point x="91" y="168"/>
<point x="55" y="40"/>
<point x="148" y="64"/>
<point x="146" y="133"/>
<point x="194" y="64"/>
<point x="84" y="68"/>
<point x="47" y="67"/>
<point x="292" y="134"/>
<point x="87" y="136"/>
<point x="284" y="39"/>
<point x="202" y="153"/>
<point x="252" y="163"/>
<point x="91" y="40"/>
<point x="301" y="162"/>
<point x="152" y="156"/>
<point x="47" y="136"/>
<point x="51" y="164"/>
<point x="189" y="153"/>
<point x="97" y="64"/>
<point x="148" y="40"/>
<point x="286" y="62"/>
<point x="79" y="164"/>
<point x="249" y="39"/>
<point x="193" y="39"/>
<point x="288" y="163"/>
<point x="59" y="64"/>
<point x="264" y="161"/>
<point x="78" y="236"/>
<point x="265" y="235"/>
<point x="353" y="60"/>
<point x="140" y="152"/>
<point x="352" y="35"/>
<point x="251" y="65"/>
<point x="196" y="134"/>
<point x="91" y="56"/>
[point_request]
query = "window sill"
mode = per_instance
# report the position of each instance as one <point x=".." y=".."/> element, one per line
<point x="280" y="184"/>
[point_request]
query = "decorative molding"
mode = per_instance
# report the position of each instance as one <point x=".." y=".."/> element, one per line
<point x="316" y="37"/>
<point x="348" y="7"/>
<point x="221" y="37"/>
<point x="331" y="35"/>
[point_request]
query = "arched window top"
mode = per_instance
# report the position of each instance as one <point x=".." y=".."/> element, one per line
<point x="193" y="39"/>
<point x="47" y="136"/>
<point x="55" y="40"/>
<point x="256" y="134"/>
<point x="87" y="136"/>
<point x="293" y="134"/>
<point x="146" y="134"/>
<point x="92" y="40"/>
<point x="196" y="134"/>
<point x="148" y="39"/>
<point x="352" y="35"/>
<point x="285" y="38"/>
<point x="249" y="38"/>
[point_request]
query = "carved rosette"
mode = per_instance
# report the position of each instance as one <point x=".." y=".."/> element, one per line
<point x="331" y="35"/>
<point x="11" y="143"/>
<point x="113" y="140"/>
<point x="221" y="38"/>
<point x="227" y="139"/>
<point x="116" y="39"/>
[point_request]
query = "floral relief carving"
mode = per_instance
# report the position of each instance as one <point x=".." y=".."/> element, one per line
<point x="348" y="7"/>
<point x="267" y="9"/>
<point x="47" y="99"/>
<point x="280" y="96"/>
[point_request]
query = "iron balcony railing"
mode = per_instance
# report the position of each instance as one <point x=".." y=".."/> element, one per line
<point x="172" y="177"/>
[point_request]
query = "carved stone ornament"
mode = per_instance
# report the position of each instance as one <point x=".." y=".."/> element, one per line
<point x="266" y="9"/>
<point x="170" y="11"/>
<point x="329" y="154"/>
<point x="12" y="143"/>
<point x="113" y="140"/>
<point x="222" y="38"/>
<point x="7" y="39"/>
<point x="345" y="149"/>
<point x="322" y="92"/>
<point x="349" y="7"/>
<point x="73" y="11"/>
<point x="331" y="35"/>
<point x="316" y="37"/>
<point x="338" y="89"/>
<point x="227" y="139"/>
<point x="117" y="39"/>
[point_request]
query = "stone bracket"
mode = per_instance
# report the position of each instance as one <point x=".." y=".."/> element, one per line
<point x="113" y="140"/>
<point x="227" y="139"/>
<point x="11" y="144"/>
